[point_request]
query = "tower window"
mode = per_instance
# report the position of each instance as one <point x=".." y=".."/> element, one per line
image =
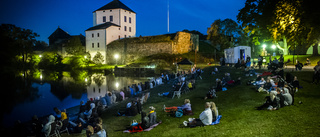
<point x="129" y="29"/>
<point x="125" y="28"/>
<point x="104" y="19"/>
<point x="98" y="34"/>
<point x="110" y="10"/>
<point x="125" y="18"/>
<point x="92" y="35"/>
<point x="129" y="19"/>
<point x="98" y="45"/>
<point x="111" y="18"/>
<point x="119" y="37"/>
<point x="92" y="45"/>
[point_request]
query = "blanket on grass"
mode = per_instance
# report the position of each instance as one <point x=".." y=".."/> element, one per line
<point x="217" y="120"/>
<point x="148" y="129"/>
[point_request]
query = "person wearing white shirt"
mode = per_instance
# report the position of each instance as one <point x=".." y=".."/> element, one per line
<point x="205" y="117"/>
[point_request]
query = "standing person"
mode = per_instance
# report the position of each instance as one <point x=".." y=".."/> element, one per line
<point x="152" y="116"/>
<point x="299" y="66"/>
<point x="316" y="74"/>
<point x="295" y="84"/>
<point x="205" y="118"/>
<point x="260" y="61"/>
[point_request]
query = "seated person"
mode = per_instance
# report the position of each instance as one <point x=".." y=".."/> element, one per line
<point x="190" y="85"/>
<point x="205" y="118"/>
<point x="211" y="94"/>
<point x="214" y="110"/>
<point x="131" y="109"/>
<point x="287" y="98"/>
<point x="295" y="83"/>
<point x="152" y="116"/>
<point x="60" y="115"/>
<point x="186" y="108"/>
<point x="226" y="78"/>
<point x="145" y="123"/>
<point x="307" y="62"/>
<point x="218" y="85"/>
<point x="267" y="86"/>
<point x="260" y="83"/>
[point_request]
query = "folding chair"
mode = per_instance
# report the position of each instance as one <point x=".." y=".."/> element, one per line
<point x="178" y="93"/>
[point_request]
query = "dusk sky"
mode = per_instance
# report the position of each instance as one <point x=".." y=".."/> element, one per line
<point x="75" y="16"/>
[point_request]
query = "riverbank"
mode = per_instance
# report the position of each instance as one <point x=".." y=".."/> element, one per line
<point x="236" y="105"/>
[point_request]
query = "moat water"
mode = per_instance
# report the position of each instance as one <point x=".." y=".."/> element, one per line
<point x="41" y="91"/>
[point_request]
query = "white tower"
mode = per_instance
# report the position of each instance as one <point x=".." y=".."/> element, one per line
<point x="110" y="22"/>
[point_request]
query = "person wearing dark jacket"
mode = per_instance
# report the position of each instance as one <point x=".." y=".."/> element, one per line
<point x="152" y="116"/>
<point x="145" y="123"/>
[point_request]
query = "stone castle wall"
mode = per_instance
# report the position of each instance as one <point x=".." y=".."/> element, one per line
<point x="130" y="49"/>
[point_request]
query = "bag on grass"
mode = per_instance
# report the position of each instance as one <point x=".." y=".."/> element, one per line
<point x="134" y="123"/>
<point x="260" y="89"/>
<point x="179" y="113"/>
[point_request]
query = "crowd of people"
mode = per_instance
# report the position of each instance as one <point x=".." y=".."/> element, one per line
<point x="280" y="89"/>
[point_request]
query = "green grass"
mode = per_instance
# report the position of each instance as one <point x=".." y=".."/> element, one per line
<point x="236" y="105"/>
<point x="301" y="58"/>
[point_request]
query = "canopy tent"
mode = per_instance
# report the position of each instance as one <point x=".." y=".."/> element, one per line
<point x="185" y="62"/>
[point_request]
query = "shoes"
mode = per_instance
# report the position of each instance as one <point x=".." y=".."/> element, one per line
<point x="185" y="123"/>
<point x="191" y="119"/>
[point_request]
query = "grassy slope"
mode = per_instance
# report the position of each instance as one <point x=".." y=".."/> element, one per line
<point x="236" y="105"/>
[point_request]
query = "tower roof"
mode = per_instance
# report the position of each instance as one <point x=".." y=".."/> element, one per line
<point x="115" y="4"/>
<point x="103" y="26"/>
<point x="59" y="33"/>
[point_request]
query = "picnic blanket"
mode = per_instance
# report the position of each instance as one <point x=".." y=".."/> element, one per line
<point x="148" y="129"/>
<point x="217" y="120"/>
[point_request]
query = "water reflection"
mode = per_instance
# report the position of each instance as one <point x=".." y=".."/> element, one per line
<point x="37" y="92"/>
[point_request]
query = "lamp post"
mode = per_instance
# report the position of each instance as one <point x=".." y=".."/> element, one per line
<point x="116" y="56"/>
<point x="274" y="47"/>
<point x="264" y="49"/>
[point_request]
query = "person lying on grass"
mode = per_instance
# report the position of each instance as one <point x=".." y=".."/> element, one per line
<point x="186" y="108"/>
<point x="274" y="101"/>
<point x="205" y="118"/>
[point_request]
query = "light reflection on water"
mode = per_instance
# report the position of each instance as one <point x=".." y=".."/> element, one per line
<point x="65" y="93"/>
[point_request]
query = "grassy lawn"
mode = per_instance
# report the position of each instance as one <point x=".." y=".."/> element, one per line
<point x="237" y="107"/>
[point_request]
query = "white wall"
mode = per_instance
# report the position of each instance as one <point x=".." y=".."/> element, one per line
<point x="118" y="18"/>
<point x="93" y="88"/>
<point x="95" y="39"/>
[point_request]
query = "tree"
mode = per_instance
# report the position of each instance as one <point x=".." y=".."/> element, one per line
<point x="224" y="33"/>
<point x="17" y="45"/>
<point x="98" y="58"/>
<point x="292" y="21"/>
<point x="74" y="46"/>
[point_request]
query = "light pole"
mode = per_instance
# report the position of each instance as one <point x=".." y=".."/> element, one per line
<point x="274" y="47"/>
<point x="264" y="49"/>
<point x="116" y="56"/>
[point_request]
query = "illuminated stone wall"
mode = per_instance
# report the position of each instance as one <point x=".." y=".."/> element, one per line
<point x="130" y="49"/>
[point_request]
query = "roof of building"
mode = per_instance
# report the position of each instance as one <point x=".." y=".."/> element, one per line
<point x="115" y="4"/>
<point x="59" y="33"/>
<point x="103" y="26"/>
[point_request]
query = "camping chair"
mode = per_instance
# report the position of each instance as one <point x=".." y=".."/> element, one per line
<point x="54" y="131"/>
<point x="177" y="93"/>
<point x="64" y="126"/>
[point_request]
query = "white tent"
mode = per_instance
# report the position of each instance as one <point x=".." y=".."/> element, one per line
<point x="232" y="54"/>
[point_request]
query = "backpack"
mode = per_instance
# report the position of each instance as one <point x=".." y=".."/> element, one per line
<point x="179" y="113"/>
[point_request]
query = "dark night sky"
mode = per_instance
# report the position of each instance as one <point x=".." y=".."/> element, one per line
<point x="75" y="16"/>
